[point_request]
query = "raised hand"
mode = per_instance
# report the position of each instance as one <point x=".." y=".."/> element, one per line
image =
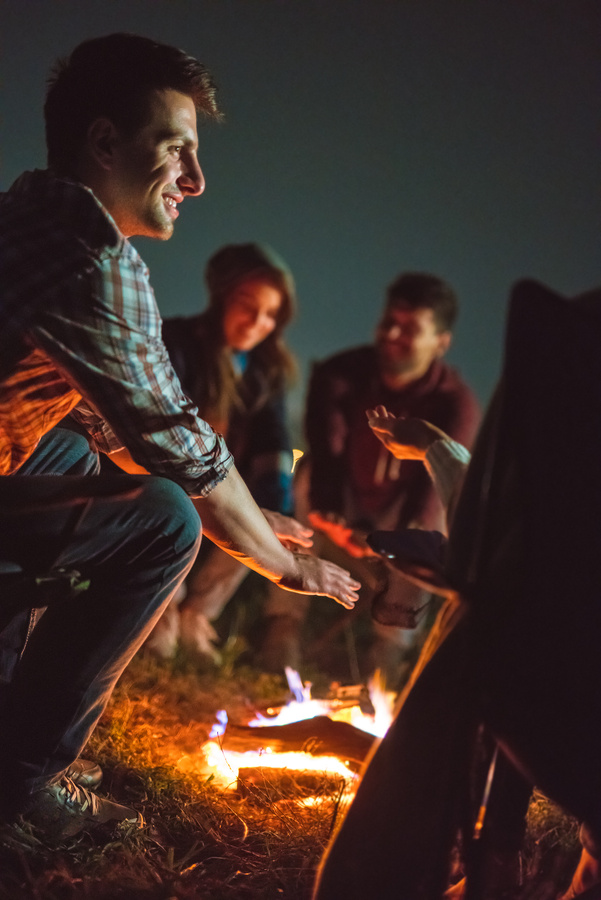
<point x="405" y="438"/>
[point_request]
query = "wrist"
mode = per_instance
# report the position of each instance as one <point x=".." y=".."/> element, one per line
<point x="290" y="567"/>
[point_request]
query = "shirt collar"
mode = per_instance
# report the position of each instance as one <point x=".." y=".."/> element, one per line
<point x="72" y="202"/>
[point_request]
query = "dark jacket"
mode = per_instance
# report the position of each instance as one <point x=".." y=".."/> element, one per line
<point x="352" y="473"/>
<point x="257" y="433"/>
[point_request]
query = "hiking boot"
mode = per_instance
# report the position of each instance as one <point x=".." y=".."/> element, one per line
<point x="63" y="809"/>
<point x="85" y="773"/>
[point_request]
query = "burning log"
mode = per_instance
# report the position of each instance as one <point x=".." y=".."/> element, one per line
<point x="319" y="736"/>
<point x="266" y="784"/>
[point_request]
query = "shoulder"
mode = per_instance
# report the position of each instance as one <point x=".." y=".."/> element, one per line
<point x="449" y="380"/>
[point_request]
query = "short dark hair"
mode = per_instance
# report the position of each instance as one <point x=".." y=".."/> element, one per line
<point x="419" y="290"/>
<point x="113" y="76"/>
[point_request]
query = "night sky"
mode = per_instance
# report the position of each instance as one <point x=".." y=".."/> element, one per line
<point x="363" y="138"/>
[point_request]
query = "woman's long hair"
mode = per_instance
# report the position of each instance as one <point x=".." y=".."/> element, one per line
<point x="273" y="365"/>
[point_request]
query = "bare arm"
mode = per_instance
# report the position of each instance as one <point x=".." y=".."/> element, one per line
<point x="405" y="438"/>
<point x="233" y="521"/>
<point x="445" y="459"/>
<point x="288" y="530"/>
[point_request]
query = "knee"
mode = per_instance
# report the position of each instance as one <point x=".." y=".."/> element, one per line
<point x="165" y="505"/>
<point x="62" y="452"/>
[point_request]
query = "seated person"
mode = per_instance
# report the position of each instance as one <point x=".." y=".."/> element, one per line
<point x="233" y="363"/>
<point x="354" y="484"/>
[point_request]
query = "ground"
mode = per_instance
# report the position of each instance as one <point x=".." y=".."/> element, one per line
<point x="199" y="841"/>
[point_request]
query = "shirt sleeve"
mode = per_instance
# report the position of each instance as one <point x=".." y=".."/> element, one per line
<point x="447" y="462"/>
<point x="457" y="412"/>
<point x="104" y="335"/>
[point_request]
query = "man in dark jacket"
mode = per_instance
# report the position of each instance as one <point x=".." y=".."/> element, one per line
<point x="355" y="485"/>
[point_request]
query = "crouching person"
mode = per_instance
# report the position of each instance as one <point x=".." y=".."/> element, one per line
<point x="81" y="337"/>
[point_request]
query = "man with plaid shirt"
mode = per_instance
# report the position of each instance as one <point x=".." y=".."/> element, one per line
<point x="80" y="336"/>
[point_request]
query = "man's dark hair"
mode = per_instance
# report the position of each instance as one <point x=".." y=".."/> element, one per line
<point x="113" y="76"/>
<point x="418" y="290"/>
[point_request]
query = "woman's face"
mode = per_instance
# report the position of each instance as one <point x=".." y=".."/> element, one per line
<point x="251" y="314"/>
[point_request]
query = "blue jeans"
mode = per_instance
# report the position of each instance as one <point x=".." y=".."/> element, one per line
<point x="135" y="551"/>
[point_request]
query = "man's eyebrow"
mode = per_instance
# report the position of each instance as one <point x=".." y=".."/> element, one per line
<point x="171" y="134"/>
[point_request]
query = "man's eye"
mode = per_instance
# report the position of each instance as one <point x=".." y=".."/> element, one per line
<point x="176" y="148"/>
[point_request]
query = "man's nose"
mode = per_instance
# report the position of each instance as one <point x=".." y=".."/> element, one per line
<point x="192" y="181"/>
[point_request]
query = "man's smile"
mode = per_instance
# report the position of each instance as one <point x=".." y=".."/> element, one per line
<point x="170" y="203"/>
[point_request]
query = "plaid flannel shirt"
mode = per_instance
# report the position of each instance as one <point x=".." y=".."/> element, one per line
<point x="80" y="333"/>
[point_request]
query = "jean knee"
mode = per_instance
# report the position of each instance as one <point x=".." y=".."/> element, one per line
<point x="165" y="504"/>
<point x="62" y="452"/>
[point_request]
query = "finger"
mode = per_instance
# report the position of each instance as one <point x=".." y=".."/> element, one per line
<point x="348" y="604"/>
<point x="296" y="527"/>
<point x="348" y="600"/>
<point x="295" y="547"/>
<point x="352" y="583"/>
<point x="301" y="542"/>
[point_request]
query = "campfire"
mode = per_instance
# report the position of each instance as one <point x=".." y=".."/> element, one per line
<point x="302" y="751"/>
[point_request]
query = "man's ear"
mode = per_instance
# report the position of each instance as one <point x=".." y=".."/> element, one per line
<point x="101" y="140"/>
<point x="444" y="342"/>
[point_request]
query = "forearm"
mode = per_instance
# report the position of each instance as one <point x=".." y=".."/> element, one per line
<point x="447" y="462"/>
<point x="232" y="520"/>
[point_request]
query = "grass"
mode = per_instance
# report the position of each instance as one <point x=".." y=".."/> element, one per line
<point x="200" y="842"/>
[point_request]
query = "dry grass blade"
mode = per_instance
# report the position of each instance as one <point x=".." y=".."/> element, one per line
<point x="200" y="841"/>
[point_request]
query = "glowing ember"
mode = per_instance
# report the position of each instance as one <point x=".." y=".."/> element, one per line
<point x="224" y="765"/>
<point x="303" y="707"/>
<point x="228" y="763"/>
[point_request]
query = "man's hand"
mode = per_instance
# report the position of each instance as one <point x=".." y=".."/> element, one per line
<point x="405" y="438"/>
<point x="349" y="539"/>
<point x="233" y="521"/>
<point x="326" y="579"/>
<point x="289" y="531"/>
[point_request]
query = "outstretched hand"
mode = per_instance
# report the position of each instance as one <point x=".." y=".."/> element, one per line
<point x="335" y="527"/>
<point x="326" y="579"/>
<point x="289" y="531"/>
<point x="405" y="438"/>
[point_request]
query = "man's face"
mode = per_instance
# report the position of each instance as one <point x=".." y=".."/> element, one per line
<point x="407" y="341"/>
<point x="152" y="171"/>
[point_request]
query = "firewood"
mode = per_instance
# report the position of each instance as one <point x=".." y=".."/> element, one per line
<point x="319" y="736"/>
